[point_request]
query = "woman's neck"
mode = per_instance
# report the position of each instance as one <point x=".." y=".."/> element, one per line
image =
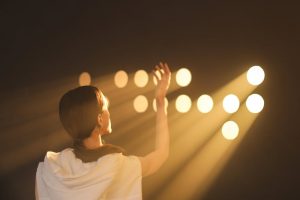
<point x="93" y="142"/>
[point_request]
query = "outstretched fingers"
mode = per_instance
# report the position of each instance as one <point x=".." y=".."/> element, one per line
<point x="160" y="69"/>
<point x="163" y="70"/>
<point x="167" y="69"/>
<point x="155" y="75"/>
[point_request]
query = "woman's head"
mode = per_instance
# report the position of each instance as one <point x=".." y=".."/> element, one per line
<point x="81" y="110"/>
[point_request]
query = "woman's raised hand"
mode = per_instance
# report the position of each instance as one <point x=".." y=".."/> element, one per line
<point x="163" y="81"/>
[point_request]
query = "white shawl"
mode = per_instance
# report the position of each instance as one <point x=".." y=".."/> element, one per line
<point x="112" y="177"/>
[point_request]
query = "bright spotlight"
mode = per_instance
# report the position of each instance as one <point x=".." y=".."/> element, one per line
<point x="183" y="103"/>
<point x="84" y="79"/>
<point x="121" y="79"/>
<point x="140" y="104"/>
<point x="205" y="103"/>
<point x="166" y="104"/>
<point x="141" y="78"/>
<point x="255" y="103"/>
<point x="183" y="77"/>
<point x="231" y="103"/>
<point x="255" y="75"/>
<point x="230" y="130"/>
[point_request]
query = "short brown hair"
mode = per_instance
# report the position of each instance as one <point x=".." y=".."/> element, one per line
<point x="79" y="109"/>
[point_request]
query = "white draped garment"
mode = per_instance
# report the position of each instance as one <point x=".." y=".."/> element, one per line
<point x="62" y="176"/>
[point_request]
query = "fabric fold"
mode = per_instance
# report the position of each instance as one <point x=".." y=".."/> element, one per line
<point x="113" y="176"/>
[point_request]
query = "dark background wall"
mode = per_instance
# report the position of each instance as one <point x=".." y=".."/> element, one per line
<point x="46" y="41"/>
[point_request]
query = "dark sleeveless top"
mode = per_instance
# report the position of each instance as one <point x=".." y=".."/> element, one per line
<point x="90" y="155"/>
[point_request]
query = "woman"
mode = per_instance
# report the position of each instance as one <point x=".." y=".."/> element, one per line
<point x="92" y="170"/>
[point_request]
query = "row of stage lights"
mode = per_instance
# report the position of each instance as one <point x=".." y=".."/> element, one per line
<point x="183" y="103"/>
<point x="205" y="103"/>
<point x="231" y="102"/>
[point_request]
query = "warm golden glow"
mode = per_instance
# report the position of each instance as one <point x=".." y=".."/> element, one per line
<point x="255" y="103"/>
<point x="210" y="159"/>
<point x="166" y="104"/>
<point x="121" y="79"/>
<point x="209" y="153"/>
<point x="197" y="142"/>
<point x="230" y="130"/>
<point x="183" y="103"/>
<point x="141" y="78"/>
<point x="84" y="79"/>
<point x="140" y="104"/>
<point x="255" y="75"/>
<point x="183" y="77"/>
<point x="231" y="103"/>
<point x="205" y="103"/>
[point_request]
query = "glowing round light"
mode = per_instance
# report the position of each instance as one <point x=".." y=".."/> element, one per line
<point x="205" y="103"/>
<point x="231" y="103"/>
<point x="183" y="77"/>
<point x="255" y="75"/>
<point x="141" y="78"/>
<point x="183" y="103"/>
<point x="84" y="79"/>
<point x="154" y="104"/>
<point x="255" y="103"/>
<point x="121" y="79"/>
<point x="140" y="104"/>
<point x="230" y="130"/>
